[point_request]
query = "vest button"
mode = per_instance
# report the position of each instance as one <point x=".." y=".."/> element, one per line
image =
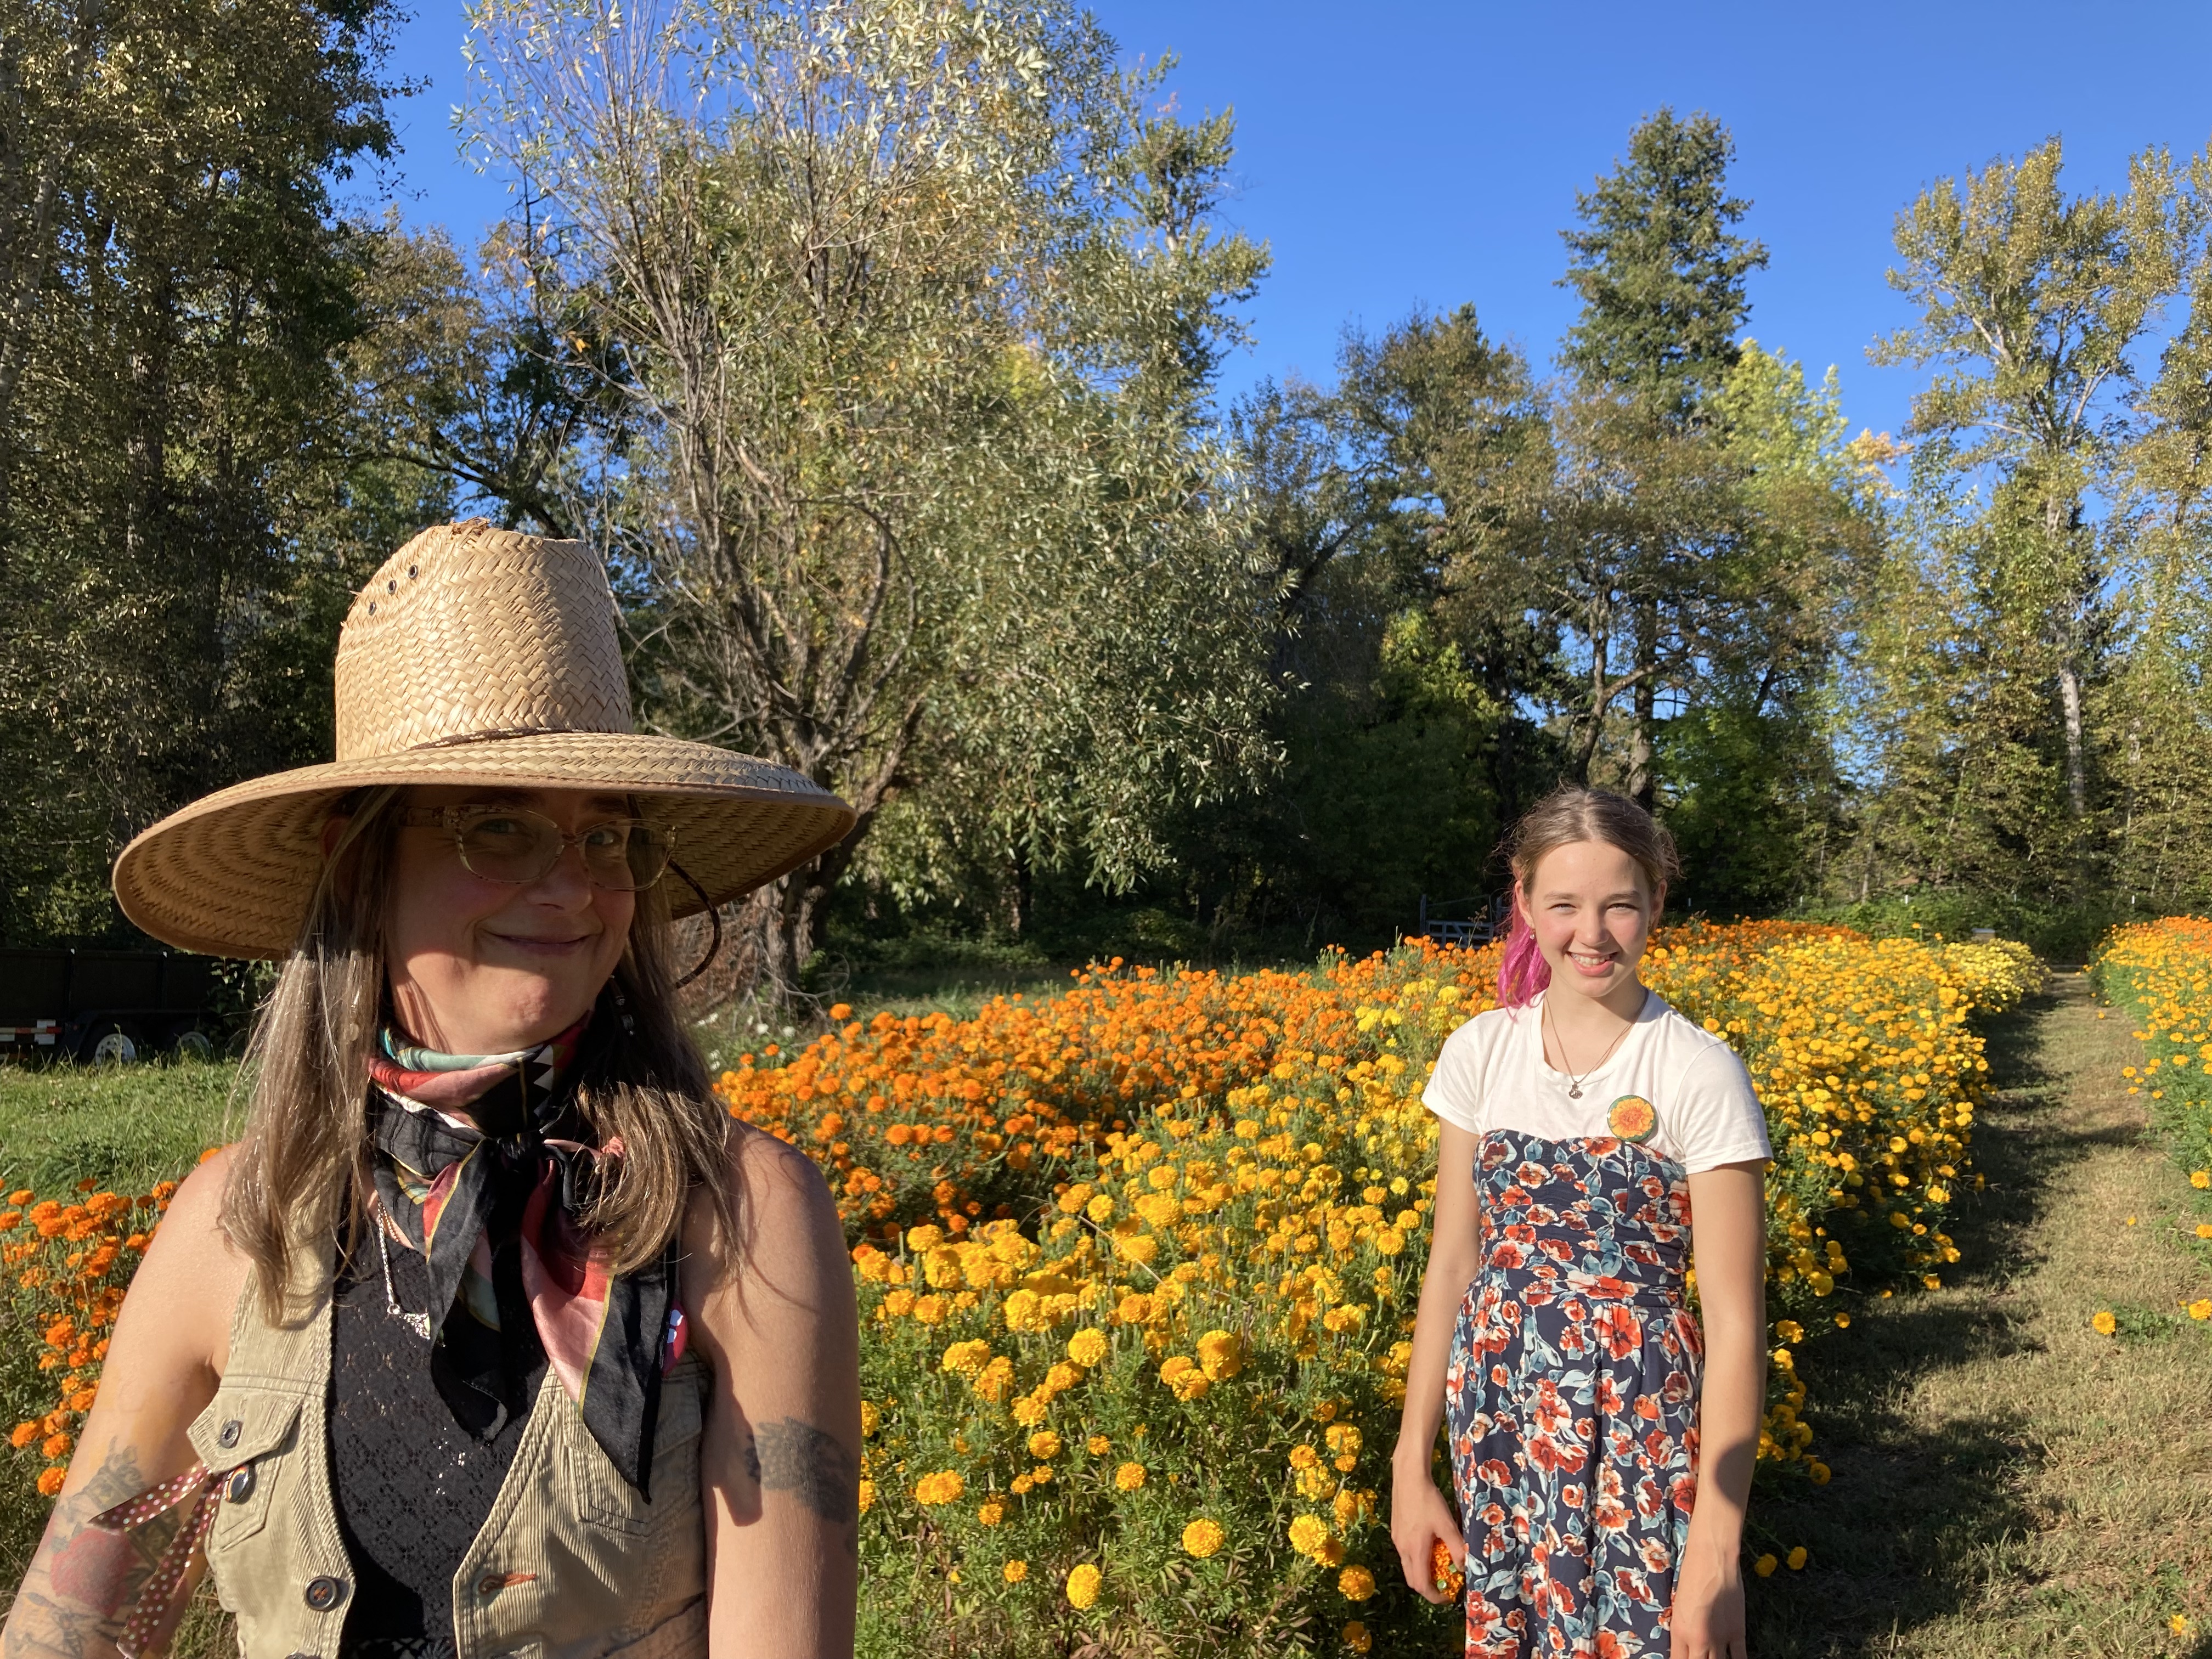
<point x="324" y="1592"/>
<point x="241" y="1484"/>
<point x="229" y="1433"/>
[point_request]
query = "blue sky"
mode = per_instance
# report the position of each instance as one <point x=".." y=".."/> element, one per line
<point x="1404" y="154"/>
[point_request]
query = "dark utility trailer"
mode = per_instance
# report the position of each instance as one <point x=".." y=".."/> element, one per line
<point x="104" y="1004"/>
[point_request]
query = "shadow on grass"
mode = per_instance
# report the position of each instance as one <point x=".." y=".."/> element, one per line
<point x="1908" y="1530"/>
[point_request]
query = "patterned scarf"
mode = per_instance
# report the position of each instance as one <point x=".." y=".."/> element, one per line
<point x="493" y="1201"/>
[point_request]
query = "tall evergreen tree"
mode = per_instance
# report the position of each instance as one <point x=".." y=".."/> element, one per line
<point x="1662" y="272"/>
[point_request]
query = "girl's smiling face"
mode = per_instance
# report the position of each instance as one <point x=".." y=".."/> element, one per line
<point x="1592" y="913"/>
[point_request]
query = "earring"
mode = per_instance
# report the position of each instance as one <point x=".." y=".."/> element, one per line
<point x="622" y="1009"/>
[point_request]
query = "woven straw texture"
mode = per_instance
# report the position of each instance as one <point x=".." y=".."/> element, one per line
<point x="475" y="656"/>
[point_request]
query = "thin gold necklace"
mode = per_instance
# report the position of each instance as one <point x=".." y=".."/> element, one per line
<point x="1574" y="1083"/>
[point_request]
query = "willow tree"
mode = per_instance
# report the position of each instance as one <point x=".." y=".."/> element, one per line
<point x="914" y="306"/>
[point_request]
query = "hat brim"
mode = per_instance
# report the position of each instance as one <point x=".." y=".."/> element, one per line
<point x="232" y="874"/>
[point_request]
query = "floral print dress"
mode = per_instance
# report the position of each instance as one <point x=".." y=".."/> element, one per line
<point x="1571" y="1399"/>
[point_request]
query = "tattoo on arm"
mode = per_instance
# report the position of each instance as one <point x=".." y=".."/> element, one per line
<point x="82" y="1577"/>
<point x="799" y="1458"/>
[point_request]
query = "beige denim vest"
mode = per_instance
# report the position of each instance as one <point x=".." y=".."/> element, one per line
<point x="570" y="1564"/>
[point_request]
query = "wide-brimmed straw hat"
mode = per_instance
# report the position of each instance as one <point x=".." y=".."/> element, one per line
<point x="476" y="656"/>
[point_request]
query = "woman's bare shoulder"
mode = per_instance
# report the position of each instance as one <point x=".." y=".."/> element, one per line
<point x="192" y="1270"/>
<point x="789" y="1242"/>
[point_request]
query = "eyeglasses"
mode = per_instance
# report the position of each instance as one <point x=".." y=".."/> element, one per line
<point x="514" y="844"/>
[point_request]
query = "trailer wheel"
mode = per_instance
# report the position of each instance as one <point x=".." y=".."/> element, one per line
<point x="116" y="1045"/>
<point x="194" y="1044"/>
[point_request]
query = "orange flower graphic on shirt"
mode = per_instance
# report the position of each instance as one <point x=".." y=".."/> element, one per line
<point x="1633" y="1118"/>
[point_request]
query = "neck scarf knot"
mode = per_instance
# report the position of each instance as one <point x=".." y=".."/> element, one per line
<point x="494" y="1202"/>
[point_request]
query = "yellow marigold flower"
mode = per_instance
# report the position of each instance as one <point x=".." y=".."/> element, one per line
<point x="1304" y="1457"/>
<point x="996" y="1381"/>
<point x="1100" y="1209"/>
<point x="1087" y="1347"/>
<point x="2103" y="1322"/>
<point x="1062" y="1377"/>
<point x="924" y="1238"/>
<point x="1098" y="1445"/>
<point x="1797" y="1559"/>
<point x="1356" y="1636"/>
<point x="1308" y="1533"/>
<point x="1220" y="1354"/>
<point x="1765" y="1566"/>
<point x="1134" y="1309"/>
<point x="1044" y="1443"/>
<point x="50" y="1481"/>
<point x="1355" y="1584"/>
<point x="991" y="1513"/>
<point x="1083" y="1586"/>
<point x="871" y="1417"/>
<point x="867" y="1496"/>
<point x="943" y="1487"/>
<point x="1819" y="1472"/>
<point x="1020" y="1483"/>
<point x="22" y="1435"/>
<point x="1203" y="1537"/>
<point x="1030" y="1410"/>
<point x="2201" y="1308"/>
<point x="1129" y="1477"/>
<point x="1014" y="1572"/>
<point x="2204" y="1229"/>
<point x="967" y="1359"/>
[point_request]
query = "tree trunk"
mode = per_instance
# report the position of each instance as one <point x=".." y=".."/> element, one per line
<point x="1643" y="780"/>
<point x="2069" y="700"/>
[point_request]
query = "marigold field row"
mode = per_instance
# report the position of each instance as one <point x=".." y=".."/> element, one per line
<point x="1137" y="1263"/>
<point x="2160" y="973"/>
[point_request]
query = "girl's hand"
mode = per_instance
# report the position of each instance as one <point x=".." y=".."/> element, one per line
<point x="1708" y="1618"/>
<point x="1421" y="1519"/>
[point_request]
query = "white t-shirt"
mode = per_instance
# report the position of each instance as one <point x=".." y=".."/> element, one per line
<point x="1492" y="1075"/>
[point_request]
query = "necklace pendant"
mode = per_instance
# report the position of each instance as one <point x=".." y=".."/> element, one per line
<point x="1575" y="1092"/>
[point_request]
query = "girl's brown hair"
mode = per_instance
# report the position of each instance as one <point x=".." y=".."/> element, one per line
<point x="1568" y="814"/>
<point x="302" y="1175"/>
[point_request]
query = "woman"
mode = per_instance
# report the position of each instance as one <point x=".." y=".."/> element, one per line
<point x="493" y="1335"/>
<point x="1602" y="1470"/>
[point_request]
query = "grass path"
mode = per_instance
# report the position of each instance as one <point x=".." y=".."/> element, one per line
<point x="2006" y="1480"/>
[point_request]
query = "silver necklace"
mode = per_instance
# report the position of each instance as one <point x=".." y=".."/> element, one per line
<point x="417" y="1322"/>
<point x="1574" y="1083"/>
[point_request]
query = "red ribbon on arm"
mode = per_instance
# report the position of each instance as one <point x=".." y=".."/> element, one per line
<point x="202" y="1487"/>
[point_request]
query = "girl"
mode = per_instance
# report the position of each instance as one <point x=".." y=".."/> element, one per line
<point x="495" y="1335"/>
<point x="1602" y="1445"/>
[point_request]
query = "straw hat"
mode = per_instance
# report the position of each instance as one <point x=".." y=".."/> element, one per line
<point x="476" y="656"/>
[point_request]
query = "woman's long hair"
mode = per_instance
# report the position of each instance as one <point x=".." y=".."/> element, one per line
<point x="1568" y="814"/>
<point x="303" y="1176"/>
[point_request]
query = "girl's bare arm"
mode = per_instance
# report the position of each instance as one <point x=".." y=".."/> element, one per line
<point x="1728" y="1206"/>
<point x="1418" y="1513"/>
<point x="171" y="1342"/>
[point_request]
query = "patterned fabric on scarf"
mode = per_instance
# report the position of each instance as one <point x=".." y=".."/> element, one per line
<point x="493" y="1202"/>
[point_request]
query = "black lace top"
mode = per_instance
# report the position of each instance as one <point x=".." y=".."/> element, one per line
<point x="413" y="1485"/>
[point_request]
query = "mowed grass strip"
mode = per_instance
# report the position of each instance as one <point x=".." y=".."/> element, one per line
<point x="2007" y="1480"/>
<point x="123" y="1127"/>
